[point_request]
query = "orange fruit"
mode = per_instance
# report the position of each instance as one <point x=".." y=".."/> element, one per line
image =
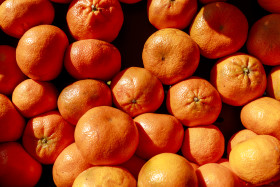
<point x="272" y="87"/>
<point x="270" y="5"/>
<point x="256" y="160"/>
<point x="105" y="176"/>
<point x="262" y="116"/>
<point x="239" y="78"/>
<point x="106" y="136"/>
<point x="136" y="90"/>
<point x="99" y="19"/>
<point x="92" y="58"/>
<point x="36" y="55"/>
<point x="209" y="1"/>
<point x="11" y="121"/>
<point x="158" y="133"/>
<point x="171" y="55"/>
<point x="194" y="101"/>
<point x="68" y="165"/>
<point x="10" y="74"/>
<point x="263" y="39"/>
<point x="203" y="144"/>
<point x="239" y="137"/>
<point x="216" y="175"/>
<point x="32" y="97"/>
<point x="167" y="169"/>
<point x="46" y="135"/>
<point x="219" y="29"/>
<point x="19" y="16"/>
<point x="134" y="165"/>
<point x="17" y="167"/>
<point x="171" y="14"/>
<point x="80" y="96"/>
<point x="224" y="162"/>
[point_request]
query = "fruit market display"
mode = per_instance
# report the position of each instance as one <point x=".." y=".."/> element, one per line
<point x="139" y="93"/>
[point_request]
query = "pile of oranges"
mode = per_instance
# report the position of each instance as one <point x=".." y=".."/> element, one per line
<point x="139" y="93"/>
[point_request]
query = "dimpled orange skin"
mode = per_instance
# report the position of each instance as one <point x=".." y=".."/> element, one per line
<point x="19" y="16"/>
<point x="194" y="101"/>
<point x="40" y="52"/>
<point x="264" y="39"/>
<point x="239" y="78"/>
<point x="219" y="29"/>
<point x="106" y="136"/>
<point x="136" y="91"/>
<point x="92" y="58"/>
<point x="95" y="19"/>
<point x="171" y="55"/>
<point x="171" y="14"/>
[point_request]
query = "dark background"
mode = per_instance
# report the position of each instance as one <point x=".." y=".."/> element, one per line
<point x="130" y="41"/>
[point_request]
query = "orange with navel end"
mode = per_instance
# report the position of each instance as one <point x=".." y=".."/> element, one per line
<point x="216" y="175"/>
<point x="171" y="13"/>
<point x="239" y="78"/>
<point x="262" y="116"/>
<point x="40" y="52"/>
<point x="167" y="169"/>
<point x="106" y="136"/>
<point x="270" y="5"/>
<point x="273" y="87"/>
<point x="68" y="165"/>
<point x="171" y="55"/>
<point x="219" y="29"/>
<point x="264" y="39"/>
<point x="32" y="97"/>
<point x="46" y="135"/>
<point x="105" y="176"/>
<point x="19" y="16"/>
<point x="257" y="160"/>
<point x="92" y="58"/>
<point x="136" y="90"/>
<point x="203" y="144"/>
<point x="194" y="101"/>
<point x="158" y="133"/>
<point x="239" y="137"/>
<point x="10" y="74"/>
<point x="12" y="122"/>
<point x="77" y="98"/>
<point x="97" y="19"/>
<point x="17" y="167"/>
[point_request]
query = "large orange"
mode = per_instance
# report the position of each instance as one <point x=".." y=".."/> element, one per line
<point x="68" y="165"/>
<point x="257" y="160"/>
<point x="92" y="58"/>
<point x="171" y="14"/>
<point x="40" y="52"/>
<point x="264" y="39"/>
<point x="80" y="96"/>
<point x="46" y="135"/>
<point x="167" y="169"/>
<point x="97" y="19"/>
<point x="106" y="136"/>
<point x="219" y="29"/>
<point x="158" y="133"/>
<point x="17" y="167"/>
<point x="262" y="116"/>
<point x="239" y="78"/>
<point x="136" y="91"/>
<point x="17" y="16"/>
<point x="270" y="5"/>
<point x="10" y="74"/>
<point x="32" y="97"/>
<point x="216" y="175"/>
<point x="171" y="55"/>
<point x="203" y="144"/>
<point x="194" y="101"/>
<point x="105" y="176"/>
<point x="12" y="122"/>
